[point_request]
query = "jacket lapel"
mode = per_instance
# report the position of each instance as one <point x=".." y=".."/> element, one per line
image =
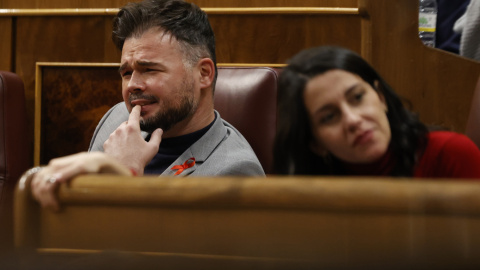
<point x="200" y="150"/>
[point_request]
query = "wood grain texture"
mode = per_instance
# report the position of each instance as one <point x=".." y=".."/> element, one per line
<point x="72" y="106"/>
<point x="201" y="3"/>
<point x="337" y="223"/>
<point x="63" y="3"/>
<point x="280" y="36"/>
<point x="6" y="29"/>
<point x="60" y="39"/>
<point x="438" y="84"/>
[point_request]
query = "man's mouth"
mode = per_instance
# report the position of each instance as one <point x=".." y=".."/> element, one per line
<point x="144" y="103"/>
<point x="141" y="102"/>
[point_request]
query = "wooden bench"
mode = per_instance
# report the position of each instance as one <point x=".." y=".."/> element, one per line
<point x="291" y="222"/>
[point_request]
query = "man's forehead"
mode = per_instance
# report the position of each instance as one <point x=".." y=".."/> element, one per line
<point x="150" y="42"/>
<point x="152" y="35"/>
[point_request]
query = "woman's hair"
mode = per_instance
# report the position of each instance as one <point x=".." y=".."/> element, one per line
<point x="292" y="153"/>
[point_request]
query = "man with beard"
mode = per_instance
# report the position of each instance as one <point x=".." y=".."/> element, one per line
<point x="167" y="124"/>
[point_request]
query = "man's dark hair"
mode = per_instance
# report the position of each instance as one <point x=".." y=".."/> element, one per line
<point x="184" y="21"/>
<point x="292" y="154"/>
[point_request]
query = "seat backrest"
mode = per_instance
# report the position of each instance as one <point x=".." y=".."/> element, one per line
<point x="473" y="123"/>
<point x="246" y="97"/>
<point x="15" y="155"/>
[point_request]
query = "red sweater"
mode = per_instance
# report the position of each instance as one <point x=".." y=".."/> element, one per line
<point x="447" y="155"/>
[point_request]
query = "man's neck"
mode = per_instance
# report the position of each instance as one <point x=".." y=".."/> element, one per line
<point x="197" y="121"/>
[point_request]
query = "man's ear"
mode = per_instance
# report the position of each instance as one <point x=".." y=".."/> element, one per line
<point x="207" y="72"/>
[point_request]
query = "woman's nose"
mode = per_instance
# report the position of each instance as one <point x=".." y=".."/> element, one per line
<point x="352" y="119"/>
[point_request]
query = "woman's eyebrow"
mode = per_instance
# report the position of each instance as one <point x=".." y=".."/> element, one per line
<point x="352" y="88"/>
<point x="347" y="93"/>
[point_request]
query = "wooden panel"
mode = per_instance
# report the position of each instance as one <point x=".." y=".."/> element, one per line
<point x="201" y="3"/>
<point x="63" y="3"/>
<point x="439" y="84"/>
<point x="73" y="100"/>
<point x="276" y="3"/>
<point x="6" y="28"/>
<point x="60" y="39"/>
<point x="336" y="222"/>
<point x="281" y="36"/>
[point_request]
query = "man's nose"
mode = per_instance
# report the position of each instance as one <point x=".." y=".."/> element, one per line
<point x="136" y="83"/>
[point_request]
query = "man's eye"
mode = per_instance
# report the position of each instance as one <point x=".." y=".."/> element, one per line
<point x="127" y="73"/>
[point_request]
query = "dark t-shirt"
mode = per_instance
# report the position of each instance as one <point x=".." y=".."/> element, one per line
<point x="171" y="148"/>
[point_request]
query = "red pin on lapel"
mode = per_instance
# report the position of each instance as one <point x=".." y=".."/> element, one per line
<point x="187" y="164"/>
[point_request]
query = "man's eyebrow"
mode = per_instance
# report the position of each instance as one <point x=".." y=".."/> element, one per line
<point x="146" y="63"/>
<point x="122" y="67"/>
<point x="139" y="63"/>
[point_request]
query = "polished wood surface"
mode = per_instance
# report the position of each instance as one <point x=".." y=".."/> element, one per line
<point x="69" y="106"/>
<point x="59" y="39"/>
<point x="248" y="47"/>
<point x="6" y="43"/>
<point x="336" y="222"/>
<point x="438" y="84"/>
<point x="36" y="4"/>
<point x="208" y="10"/>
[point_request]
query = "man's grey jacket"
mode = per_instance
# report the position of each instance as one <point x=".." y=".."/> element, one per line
<point x="220" y="151"/>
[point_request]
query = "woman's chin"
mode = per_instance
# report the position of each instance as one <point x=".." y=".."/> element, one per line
<point x="371" y="156"/>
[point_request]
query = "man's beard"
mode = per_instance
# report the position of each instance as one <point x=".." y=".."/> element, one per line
<point x="170" y="114"/>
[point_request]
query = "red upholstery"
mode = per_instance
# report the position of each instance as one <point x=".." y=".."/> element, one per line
<point x="15" y="154"/>
<point x="246" y="98"/>
<point x="473" y="123"/>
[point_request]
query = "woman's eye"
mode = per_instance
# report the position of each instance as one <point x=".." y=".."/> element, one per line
<point x="327" y="118"/>
<point x="357" y="97"/>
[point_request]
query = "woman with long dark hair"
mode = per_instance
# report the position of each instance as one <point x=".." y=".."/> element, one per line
<point x="337" y="116"/>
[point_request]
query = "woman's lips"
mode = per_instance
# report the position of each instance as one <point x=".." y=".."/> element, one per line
<point x="363" y="138"/>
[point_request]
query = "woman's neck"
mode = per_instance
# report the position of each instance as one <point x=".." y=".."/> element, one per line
<point x="383" y="166"/>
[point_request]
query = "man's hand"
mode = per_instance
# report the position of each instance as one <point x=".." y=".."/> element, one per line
<point x="127" y="145"/>
<point x="60" y="170"/>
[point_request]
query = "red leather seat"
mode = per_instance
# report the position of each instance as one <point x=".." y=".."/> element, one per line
<point x="246" y="97"/>
<point x="15" y="154"/>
